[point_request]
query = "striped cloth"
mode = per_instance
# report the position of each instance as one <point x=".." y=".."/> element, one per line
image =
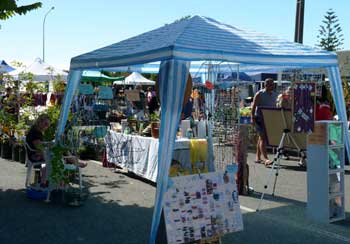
<point x="172" y="81"/>
<point x="338" y="97"/>
<point x="202" y="38"/>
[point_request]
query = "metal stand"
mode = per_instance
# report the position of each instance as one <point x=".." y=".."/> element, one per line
<point x="277" y="158"/>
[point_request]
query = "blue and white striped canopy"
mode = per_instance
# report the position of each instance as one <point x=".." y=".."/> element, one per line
<point x="202" y="38"/>
<point x="196" y="39"/>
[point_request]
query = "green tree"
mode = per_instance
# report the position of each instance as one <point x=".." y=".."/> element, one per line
<point x="9" y="8"/>
<point x="330" y="35"/>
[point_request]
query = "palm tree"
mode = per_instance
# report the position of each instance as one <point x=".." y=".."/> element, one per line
<point x="9" y="8"/>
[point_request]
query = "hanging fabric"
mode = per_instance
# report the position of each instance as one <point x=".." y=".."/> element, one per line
<point x="172" y="81"/>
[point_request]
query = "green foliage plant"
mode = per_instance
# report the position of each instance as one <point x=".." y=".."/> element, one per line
<point x="58" y="173"/>
<point x="330" y="35"/>
<point x="58" y="84"/>
<point x="54" y="115"/>
<point x="9" y="8"/>
<point x="154" y="117"/>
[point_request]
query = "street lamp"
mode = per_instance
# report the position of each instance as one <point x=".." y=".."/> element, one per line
<point x="52" y="8"/>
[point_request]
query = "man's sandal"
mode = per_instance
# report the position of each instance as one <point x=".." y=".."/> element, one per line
<point x="268" y="162"/>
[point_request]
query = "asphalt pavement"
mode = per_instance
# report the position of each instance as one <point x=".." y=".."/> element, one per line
<point x="119" y="210"/>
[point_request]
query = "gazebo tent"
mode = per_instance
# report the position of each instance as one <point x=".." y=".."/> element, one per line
<point x="194" y="39"/>
<point x="42" y="71"/>
<point x="136" y="78"/>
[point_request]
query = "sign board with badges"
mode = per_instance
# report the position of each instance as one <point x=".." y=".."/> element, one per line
<point x="201" y="206"/>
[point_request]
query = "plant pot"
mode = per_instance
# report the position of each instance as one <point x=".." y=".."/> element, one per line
<point x="15" y="152"/>
<point x="21" y="154"/>
<point x="6" y="150"/>
<point x="83" y="156"/>
<point x="99" y="154"/>
<point x="133" y="125"/>
<point x="155" y="129"/>
<point x="88" y="152"/>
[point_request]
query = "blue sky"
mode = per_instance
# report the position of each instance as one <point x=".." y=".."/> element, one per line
<point x="78" y="26"/>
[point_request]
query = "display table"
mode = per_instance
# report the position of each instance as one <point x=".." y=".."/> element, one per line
<point x="140" y="154"/>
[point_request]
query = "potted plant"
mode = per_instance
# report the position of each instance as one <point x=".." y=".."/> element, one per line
<point x="58" y="84"/>
<point x="86" y="152"/>
<point x="6" y="150"/>
<point x="63" y="178"/>
<point x="8" y="123"/>
<point x="18" y="150"/>
<point x="58" y="174"/>
<point x="54" y="114"/>
<point x="21" y="152"/>
<point x="132" y="123"/>
<point x="154" y="125"/>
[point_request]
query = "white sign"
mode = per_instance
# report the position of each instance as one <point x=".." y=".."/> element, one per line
<point x="201" y="206"/>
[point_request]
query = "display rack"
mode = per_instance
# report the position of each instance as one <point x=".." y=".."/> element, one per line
<point x="226" y="127"/>
<point x="325" y="172"/>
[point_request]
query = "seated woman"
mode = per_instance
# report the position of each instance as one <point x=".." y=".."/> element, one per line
<point x="35" y="136"/>
<point x="34" y="148"/>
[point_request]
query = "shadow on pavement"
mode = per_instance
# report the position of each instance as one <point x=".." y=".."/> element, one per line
<point x="287" y="224"/>
<point x="115" y="184"/>
<point x="293" y="167"/>
<point x="99" y="220"/>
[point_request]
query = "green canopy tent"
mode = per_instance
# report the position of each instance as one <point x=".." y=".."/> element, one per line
<point x="97" y="76"/>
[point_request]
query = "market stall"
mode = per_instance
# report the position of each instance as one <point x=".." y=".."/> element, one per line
<point x="177" y="44"/>
<point x="136" y="78"/>
<point x="29" y="91"/>
<point x="42" y="72"/>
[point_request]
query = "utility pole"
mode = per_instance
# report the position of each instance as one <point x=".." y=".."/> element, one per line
<point x="299" y="21"/>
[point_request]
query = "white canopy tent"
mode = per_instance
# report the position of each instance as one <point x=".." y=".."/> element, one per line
<point x="135" y="78"/>
<point x="195" y="39"/>
<point x="42" y="72"/>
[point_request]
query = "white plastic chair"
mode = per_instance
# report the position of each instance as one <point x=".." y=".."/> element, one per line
<point x="30" y="165"/>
